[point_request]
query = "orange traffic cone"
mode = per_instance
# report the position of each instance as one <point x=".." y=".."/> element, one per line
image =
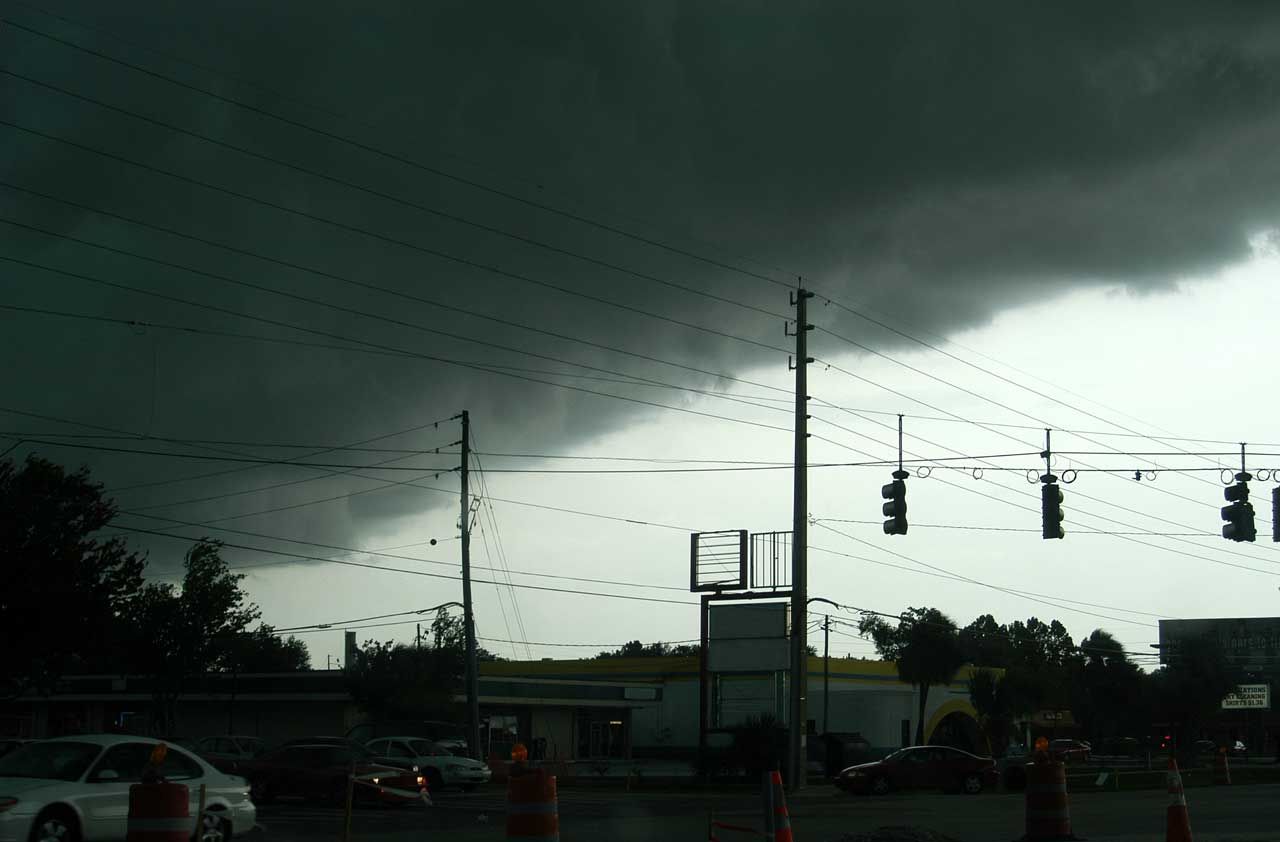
<point x="781" y="818"/>
<point x="1221" y="769"/>
<point x="1177" y="822"/>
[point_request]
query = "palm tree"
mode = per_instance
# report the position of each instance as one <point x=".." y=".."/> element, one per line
<point x="925" y="647"/>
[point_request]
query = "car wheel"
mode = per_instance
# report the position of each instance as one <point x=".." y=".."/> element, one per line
<point x="56" y="825"/>
<point x="435" y="781"/>
<point x="213" y="828"/>
<point x="880" y="786"/>
<point x="260" y="792"/>
<point x="971" y="785"/>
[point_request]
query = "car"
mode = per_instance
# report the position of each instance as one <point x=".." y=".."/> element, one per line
<point x="10" y="743"/>
<point x="921" y="767"/>
<point x="225" y="753"/>
<point x="320" y="772"/>
<point x="70" y="789"/>
<point x="1070" y="751"/>
<point x="446" y="734"/>
<point x="440" y="766"/>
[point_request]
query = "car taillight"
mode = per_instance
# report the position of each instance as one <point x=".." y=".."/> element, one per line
<point x="7" y="804"/>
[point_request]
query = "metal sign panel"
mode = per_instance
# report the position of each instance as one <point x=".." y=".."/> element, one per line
<point x="1249" y="697"/>
<point x="1244" y="640"/>
<point x="718" y="561"/>
<point x="748" y="638"/>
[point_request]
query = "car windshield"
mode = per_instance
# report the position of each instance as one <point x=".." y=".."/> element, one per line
<point x="58" y="761"/>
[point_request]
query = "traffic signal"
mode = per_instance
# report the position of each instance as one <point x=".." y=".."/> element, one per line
<point x="1238" y="515"/>
<point x="1275" y="513"/>
<point x="1051" y="508"/>
<point x="896" y="509"/>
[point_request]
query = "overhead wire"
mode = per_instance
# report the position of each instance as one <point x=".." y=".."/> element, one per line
<point x="303" y="557"/>
<point x="420" y="355"/>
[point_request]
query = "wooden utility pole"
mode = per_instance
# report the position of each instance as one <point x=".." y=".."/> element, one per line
<point x="468" y="617"/>
<point x="800" y="543"/>
<point x="826" y="674"/>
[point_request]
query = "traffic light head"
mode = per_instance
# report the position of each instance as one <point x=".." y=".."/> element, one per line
<point x="1051" y="515"/>
<point x="1275" y="513"/>
<point x="895" y="509"/>
<point x="1239" y="525"/>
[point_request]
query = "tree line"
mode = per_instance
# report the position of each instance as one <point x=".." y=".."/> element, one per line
<point x="75" y="602"/>
<point x="1024" y="667"/>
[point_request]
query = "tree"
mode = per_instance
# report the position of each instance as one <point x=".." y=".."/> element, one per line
<point x="62" y="587"/>
<point x="999" y="701"/>
<point x="925" y="647"/>
<point x="180" y="634"/>
<point x="636" y="649"/>
<point x="262" y="650"/>
<point x="1105" y="688"/>
<point x="395" y="681"/>
<point x="985" y="643"/>
<point x="1190" y="688"/>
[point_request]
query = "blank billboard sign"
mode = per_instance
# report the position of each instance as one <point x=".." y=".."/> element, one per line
<point x="748" y="638"/>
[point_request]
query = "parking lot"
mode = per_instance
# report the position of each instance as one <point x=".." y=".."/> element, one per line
<point x="820" y="813"/>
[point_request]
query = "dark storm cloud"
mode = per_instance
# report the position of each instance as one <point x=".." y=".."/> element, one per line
<point x="942" y="161"/>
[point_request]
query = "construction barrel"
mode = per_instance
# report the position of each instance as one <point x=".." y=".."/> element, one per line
<point x="1048" y="812"/>
<point x="159" y="812"/>
<point x="532" y="813"/>
<point x="1221" y="769"/>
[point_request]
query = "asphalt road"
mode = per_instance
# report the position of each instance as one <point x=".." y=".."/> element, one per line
<point x="820" y="814"/>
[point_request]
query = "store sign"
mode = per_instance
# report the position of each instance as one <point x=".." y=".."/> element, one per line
<point x="1249" y="697"/>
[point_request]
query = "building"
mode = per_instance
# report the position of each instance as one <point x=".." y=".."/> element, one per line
<point x="600" y="710"/>
<point x="1251" y="647"/>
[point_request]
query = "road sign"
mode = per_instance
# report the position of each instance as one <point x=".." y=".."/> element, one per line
<point x="1249" y="697"/>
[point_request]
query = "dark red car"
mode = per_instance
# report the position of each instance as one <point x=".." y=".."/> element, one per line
<point x="1070" y="751"/>
<point x="319" y="772"/>
<point x="921" y="767"/>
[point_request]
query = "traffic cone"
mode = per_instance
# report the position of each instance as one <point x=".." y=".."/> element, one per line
<point x="1221" y="769"/>
<point x="781" y="818"/>
<point x="1177" y="822"/>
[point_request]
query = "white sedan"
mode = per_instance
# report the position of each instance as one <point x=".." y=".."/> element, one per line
<point x="440" y="767"/>
<point x="76" y="789"/>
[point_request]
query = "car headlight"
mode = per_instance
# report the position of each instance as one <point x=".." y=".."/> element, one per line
<point x="413" y="768"/>
<point x="421" y="780"/>
<point x="375" y="780"/>
<point x="7" y="804"/>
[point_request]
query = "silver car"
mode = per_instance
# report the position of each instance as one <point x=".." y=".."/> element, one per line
<point x="76" y="789"/>
<point x="438" y="765"/>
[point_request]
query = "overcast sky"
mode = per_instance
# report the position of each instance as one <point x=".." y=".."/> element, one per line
<point x="1077" y="209"/>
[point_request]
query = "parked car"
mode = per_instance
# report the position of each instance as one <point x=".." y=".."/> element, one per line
<point x="446" y="734"/>
<point x="1070" y="751"/>
<point x="9" y="744"/>
<point x="320" y="771"/>
<point x="440" y="766"/>
<point x="921" y="767"/>
<point x="225" y="753"/>
<point x="73" y="788"/>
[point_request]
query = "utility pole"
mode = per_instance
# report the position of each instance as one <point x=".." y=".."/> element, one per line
<point x="826" y="673"/>
<point x="800" y="543"/>
<point x="468" y="616"/>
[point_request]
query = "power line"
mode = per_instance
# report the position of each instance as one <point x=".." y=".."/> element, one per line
<point x="431" y="357"/>
<point x="950" y="573"/>
<point x="961" y="526"/>
<point x="366" y="232"/>
<point x="390" y="197"/>
<point x="418" y="165"/>
<point x="382" y="554"/>
<point x="302" y="557"/>
<point x="388" y="291"/>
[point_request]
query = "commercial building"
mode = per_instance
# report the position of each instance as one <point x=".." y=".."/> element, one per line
<point x="600" y="710"/>
<point x="1251" y="648"/>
